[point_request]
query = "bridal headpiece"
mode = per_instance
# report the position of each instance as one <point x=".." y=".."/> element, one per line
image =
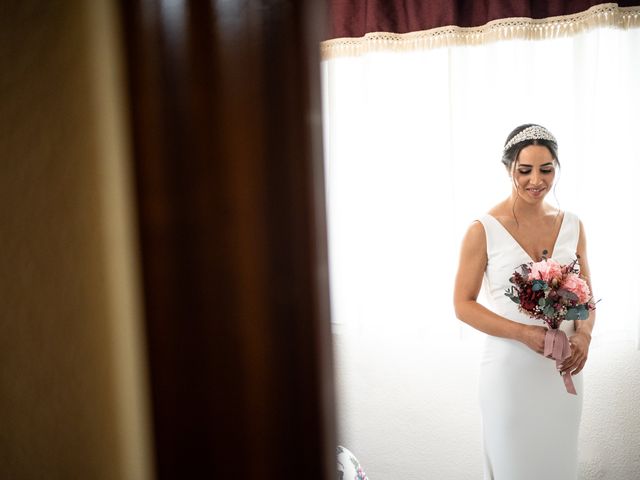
<point x="534" y="132"/>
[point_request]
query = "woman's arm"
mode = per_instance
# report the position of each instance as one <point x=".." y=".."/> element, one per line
<point x="582" y="339"/>
<point x="473" y="261"/>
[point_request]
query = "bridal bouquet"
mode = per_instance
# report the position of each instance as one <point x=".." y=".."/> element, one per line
<point x="553" y="293"/>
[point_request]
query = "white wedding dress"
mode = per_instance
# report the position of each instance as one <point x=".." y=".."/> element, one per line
<point x="529" y="421"/>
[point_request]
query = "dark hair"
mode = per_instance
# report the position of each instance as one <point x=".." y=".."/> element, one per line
<point x="509" y="156"/>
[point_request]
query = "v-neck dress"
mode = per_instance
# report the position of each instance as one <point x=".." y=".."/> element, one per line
<point x="530" y="423"/>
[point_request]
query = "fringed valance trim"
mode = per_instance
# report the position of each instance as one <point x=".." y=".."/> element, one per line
<point x="603" y="15"/>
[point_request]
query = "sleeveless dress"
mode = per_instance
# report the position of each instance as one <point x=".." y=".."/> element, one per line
<point x="529" y="421"/>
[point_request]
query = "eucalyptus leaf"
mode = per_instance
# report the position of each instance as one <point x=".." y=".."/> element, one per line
<point x="583" y="314"/>
<point x="539" y="285"/>
<point x="513" y="297"/>
<point x="567" y="294"/>
<point x="572" y="314"/>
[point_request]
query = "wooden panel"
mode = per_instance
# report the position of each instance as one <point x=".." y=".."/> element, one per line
<point x="225" y="111"/>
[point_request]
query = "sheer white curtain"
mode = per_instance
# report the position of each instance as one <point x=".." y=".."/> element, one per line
<point x="413" y="144"/>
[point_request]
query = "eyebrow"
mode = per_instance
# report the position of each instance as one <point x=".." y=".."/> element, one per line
<point x="527" y="165"/>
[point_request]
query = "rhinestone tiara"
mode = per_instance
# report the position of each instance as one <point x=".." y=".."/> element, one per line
<point x="534" y="132"/>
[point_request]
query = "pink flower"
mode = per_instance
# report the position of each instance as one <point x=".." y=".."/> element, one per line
<point x="577" y="285"/>
<point x="545" y="270"/>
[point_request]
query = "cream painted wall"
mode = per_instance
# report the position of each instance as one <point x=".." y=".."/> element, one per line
<point x="72" y="377"/>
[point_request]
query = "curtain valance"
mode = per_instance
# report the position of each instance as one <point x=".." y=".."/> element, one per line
<point x="364" y="26"/>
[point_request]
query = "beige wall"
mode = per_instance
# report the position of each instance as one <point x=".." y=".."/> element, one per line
<point x="72" y="383"/>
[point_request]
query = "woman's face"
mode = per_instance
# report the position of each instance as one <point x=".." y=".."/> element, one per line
<point x="533" y="172"/>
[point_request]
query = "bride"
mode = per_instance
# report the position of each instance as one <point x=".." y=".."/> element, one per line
<point x="530" y="423"/>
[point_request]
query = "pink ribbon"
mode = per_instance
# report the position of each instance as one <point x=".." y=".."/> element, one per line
<point x="556" y="346"/>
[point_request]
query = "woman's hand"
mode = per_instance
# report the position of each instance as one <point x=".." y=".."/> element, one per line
<point x="533" y="337"/>
<point x="579" y="352"/>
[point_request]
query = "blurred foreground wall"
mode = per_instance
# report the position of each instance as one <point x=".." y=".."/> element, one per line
<point x="72" y="376"/>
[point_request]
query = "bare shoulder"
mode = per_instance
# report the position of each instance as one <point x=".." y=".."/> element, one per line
<point x="582" y="238"/>
<point x="581" y="225"/>
<point x="473" y="262"/>
<point x="474" y="243"/>
<point x="475" y="233"/>
<point x="581" y="253"/>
